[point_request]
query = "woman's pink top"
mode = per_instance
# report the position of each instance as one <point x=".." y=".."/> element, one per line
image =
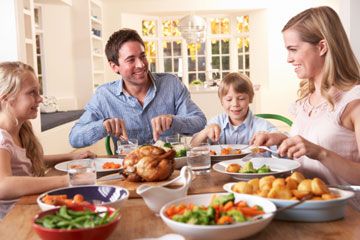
<point x="321" y="125"/>
<point x="20" y="165"/>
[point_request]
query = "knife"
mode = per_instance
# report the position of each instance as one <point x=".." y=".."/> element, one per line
<point x="353" y="188"/>
<point x="113" y="176"/>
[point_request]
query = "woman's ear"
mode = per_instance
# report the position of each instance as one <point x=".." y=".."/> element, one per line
<point x="323" y="47"/>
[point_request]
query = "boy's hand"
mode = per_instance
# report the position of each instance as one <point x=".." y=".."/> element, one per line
<point x="213" y="132"/>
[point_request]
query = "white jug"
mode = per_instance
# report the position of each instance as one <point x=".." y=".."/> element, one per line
<point x="156" y="196"/>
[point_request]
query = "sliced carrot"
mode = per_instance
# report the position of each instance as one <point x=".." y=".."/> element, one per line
<point x="225" y="220"/>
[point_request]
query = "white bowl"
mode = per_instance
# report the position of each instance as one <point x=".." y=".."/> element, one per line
<point x="311" y="210"/>
<point x="98" y="195"/>
<point x="232" y="231"/>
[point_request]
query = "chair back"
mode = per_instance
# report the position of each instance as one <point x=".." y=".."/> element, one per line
<point x="276" y="117"/>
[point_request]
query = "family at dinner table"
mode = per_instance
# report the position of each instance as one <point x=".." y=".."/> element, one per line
<point x="324" y="138"/>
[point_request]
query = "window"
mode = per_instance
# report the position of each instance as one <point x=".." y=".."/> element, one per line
<point x="243" y="44"/>
<point x="226" y="49"/>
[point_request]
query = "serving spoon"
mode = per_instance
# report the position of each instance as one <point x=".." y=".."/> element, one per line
<point x="303" y="199"/>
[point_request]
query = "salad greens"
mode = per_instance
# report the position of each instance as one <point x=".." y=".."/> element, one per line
<point x="222" y="210"/>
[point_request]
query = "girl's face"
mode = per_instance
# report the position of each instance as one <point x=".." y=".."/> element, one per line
<point x="26" y="103"/>
<point x="305" y="57"/>
<point x="236" y="105"/>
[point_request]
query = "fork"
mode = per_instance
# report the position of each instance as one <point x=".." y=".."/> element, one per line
<point x="267" y="149"/>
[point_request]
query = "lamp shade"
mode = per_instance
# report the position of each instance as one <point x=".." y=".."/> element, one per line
<point x="193" y="28"/>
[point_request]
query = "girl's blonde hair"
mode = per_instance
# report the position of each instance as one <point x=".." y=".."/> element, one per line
<point x="240" y="82"/>
<point x="11" y="76"/>
<point x="341" y="68"/>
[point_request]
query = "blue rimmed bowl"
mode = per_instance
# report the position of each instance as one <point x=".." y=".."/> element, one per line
<point x="112" y="196"/>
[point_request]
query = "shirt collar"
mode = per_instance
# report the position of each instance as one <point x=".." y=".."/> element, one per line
<point x="246" y="122"/>
<point x="120" y="85"/>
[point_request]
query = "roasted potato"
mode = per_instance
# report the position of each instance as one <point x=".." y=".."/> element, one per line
<point x="234" y="168"/>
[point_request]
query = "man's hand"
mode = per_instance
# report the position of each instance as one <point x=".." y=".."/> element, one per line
<point x="115" y="127"/>
<point x="160" y="124"/>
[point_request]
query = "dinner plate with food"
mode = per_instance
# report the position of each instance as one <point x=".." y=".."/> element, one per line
<point x="256" y="167"/>
<point x="228" y="151"/>
<point x="325" y="203"/>
<point x="101" y="164"/>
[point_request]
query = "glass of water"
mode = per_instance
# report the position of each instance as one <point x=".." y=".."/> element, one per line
<point x="198" y="158"/>
<point x="126" y="146"/>
<point x="82" y="172"/>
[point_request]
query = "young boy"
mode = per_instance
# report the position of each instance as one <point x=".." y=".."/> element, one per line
<point x="237" y="125"/>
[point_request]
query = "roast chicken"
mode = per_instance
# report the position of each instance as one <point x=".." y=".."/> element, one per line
<point x="149" y="163"/>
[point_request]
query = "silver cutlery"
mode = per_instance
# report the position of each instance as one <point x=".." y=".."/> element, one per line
<point x="307" y="197"/>
<point x="353" y="188"/>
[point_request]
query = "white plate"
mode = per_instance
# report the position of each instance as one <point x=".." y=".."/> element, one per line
<point x="230" y="231"/>
<point x="278" y="166"/>
<point x="99" y="162"/>
<point x="218" y="157"/>
<point x="310" y="211"/>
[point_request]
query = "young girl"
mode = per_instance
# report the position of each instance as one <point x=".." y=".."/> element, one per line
<point x="22" y="162"/>
<point x="325" y="136"/>
<point x="237" y="125"/>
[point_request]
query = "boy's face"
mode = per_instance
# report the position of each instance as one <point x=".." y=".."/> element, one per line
<point x="236" y="106"/>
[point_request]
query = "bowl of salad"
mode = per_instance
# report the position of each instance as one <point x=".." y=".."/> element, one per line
<point x="218" y="216"/>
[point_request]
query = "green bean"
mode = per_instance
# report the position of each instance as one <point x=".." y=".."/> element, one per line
<point x="63" y="213"/>
<point x="69" y="219"/>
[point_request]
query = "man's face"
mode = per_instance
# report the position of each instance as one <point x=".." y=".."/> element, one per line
<point x="133" y="65"/>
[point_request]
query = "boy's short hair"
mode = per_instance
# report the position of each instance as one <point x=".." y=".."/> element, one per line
<point x="240" y="82"/>
<point x="117" y="39"/>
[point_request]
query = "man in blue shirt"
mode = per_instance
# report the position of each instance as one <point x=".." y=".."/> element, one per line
<point x="141" y="104"/>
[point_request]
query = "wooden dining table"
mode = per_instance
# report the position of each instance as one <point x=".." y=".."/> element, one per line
<point x="138" y="221"/>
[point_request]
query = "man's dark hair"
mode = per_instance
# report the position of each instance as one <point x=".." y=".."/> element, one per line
<point x="117" y="39"/>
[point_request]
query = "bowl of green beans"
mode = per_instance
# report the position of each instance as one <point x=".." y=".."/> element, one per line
<point x="76" y="223"/>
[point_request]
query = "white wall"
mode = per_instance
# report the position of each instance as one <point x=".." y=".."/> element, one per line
<point x="9" y="31"/>
<point x="59" y="60"/>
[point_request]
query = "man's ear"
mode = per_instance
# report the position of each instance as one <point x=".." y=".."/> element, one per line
<point x="323" y="47"/>
<point x="114" y="67"/>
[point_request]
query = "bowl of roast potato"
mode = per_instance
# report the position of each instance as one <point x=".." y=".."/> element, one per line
<point x="323" y="204"/>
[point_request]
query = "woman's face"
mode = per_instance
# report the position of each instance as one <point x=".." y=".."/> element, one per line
<point x="236" y="105"/>
<point x="307" y="58"/>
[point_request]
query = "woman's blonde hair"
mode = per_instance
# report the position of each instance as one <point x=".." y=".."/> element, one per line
<point x="240" y="82"/>
<point x="341" y="68"/>
<point x="11" y="76"/>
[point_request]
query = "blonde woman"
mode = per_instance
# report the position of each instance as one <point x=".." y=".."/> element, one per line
<point x="326" y="131"/>
<point x="22" y="162"/>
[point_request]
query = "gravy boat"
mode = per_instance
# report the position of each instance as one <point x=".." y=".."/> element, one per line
<point x="156" y="196"/>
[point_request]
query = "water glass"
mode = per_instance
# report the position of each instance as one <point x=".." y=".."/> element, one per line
<point x="173" y="139"/>
<point x="198" y="158"/>
<point x="82" y="172"/>
<point x="126" y="146"/>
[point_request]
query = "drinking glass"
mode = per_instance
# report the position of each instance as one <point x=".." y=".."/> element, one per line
<point x="82" y="172"/>
<point x="126" y="146"/>
<point x="198" y="158"/>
